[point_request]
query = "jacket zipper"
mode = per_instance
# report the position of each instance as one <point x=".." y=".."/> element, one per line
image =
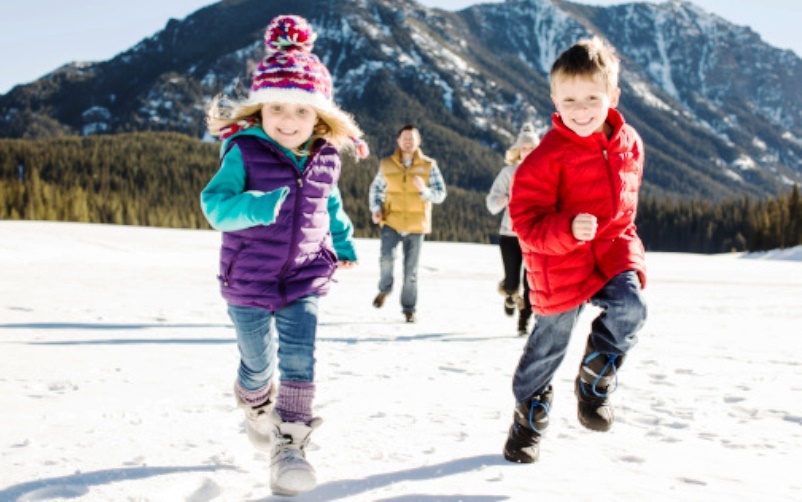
<point x="282" y="286"/>
<point x="615" y="200"/>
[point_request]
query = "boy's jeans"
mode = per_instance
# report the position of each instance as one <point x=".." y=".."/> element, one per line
<point x="412" y="244"/>
<point x="613" y="331"/>
<point x="296" y="325"/>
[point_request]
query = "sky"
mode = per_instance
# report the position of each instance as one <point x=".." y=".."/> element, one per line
<point x="117" y="363"/>
<point x="38" y="36"/>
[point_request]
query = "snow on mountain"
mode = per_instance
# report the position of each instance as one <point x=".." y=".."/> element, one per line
<point x="703" y="92"/>
<point x="118" y="362"/>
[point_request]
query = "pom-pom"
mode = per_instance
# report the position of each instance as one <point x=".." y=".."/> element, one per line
<point x="235" y="127"/>
<point x="361" y="149"/>
<point x="289" y="33"/>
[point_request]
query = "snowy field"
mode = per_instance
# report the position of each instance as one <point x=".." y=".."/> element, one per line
<point x="117" y="362"/>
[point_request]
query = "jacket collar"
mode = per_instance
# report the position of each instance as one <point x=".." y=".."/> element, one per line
<point x="614" y="118"/>
<point x="417" y="157"/>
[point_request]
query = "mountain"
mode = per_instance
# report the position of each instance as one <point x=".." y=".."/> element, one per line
<point x="720" y="111"/>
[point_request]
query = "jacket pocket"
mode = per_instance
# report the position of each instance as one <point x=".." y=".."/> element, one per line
<point x="226" y="268"/>
<point x="330" y="257"/>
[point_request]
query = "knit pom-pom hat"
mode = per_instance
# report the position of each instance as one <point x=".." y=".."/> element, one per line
<point x="290" y="73"/>
<point x="527" y="136"/>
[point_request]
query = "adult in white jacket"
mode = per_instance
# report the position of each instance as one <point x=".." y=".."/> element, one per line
<point x="497" y="201"/>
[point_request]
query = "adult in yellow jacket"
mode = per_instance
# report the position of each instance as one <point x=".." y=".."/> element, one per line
<point x="401" y="197"/>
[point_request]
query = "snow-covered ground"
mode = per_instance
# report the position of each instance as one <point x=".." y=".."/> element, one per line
<point x="117" y="362"/>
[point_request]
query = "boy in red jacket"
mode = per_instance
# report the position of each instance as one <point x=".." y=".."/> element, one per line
<point x="573" y="207"/>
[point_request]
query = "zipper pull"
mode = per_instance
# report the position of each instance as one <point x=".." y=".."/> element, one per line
<point x="300" y="182"/>
<point x="605" y="153"/>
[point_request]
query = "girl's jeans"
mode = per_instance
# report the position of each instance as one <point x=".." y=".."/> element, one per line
<point x="296" y="325"/>
<point x="613" y="331"/>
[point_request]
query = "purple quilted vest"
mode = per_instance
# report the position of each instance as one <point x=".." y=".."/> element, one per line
<point x="271" y="266"/>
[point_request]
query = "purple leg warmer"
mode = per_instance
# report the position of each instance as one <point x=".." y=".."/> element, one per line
<point x="295" y="401"/>
<point x="254" y="398"/>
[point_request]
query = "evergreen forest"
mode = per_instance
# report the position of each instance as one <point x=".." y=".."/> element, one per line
<point x="155" y="178"/>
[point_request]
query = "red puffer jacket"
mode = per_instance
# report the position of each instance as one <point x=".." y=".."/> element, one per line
<point x="565" y="176"/>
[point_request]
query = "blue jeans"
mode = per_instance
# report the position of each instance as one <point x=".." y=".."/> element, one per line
<point x="613" y="331"/>
<point x="296" y="325"/>
<point x="412" y="244"/>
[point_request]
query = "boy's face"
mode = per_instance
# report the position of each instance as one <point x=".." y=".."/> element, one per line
<point x="583" y="102"/>
<point x="288" y="124"/>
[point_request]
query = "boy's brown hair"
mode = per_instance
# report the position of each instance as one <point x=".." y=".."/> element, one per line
<point x="587" y="58"/>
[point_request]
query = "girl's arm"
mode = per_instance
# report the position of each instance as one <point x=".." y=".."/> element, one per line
<point x="228" y="208"/>
<point x="342" y="230"/>
<point x="499" y="195"/>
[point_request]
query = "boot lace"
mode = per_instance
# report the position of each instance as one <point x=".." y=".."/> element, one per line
<point x="610" y="364"/>
<point x="537" y="404"/>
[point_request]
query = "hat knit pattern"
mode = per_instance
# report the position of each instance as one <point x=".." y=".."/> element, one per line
<point x="290" y="73"/>
<point x="527" y="135"/>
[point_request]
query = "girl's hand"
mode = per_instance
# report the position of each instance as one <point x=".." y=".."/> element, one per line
<point x="346" y="265"/>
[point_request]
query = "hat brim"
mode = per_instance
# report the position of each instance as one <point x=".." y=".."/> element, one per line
<point x="341" y="123"/>
<point x="293" y="96"/>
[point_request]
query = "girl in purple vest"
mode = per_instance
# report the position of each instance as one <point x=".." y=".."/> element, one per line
<point x="275" y="198"/>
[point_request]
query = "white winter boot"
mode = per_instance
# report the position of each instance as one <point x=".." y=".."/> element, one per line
<point x="258" y="425"/>
<point x="290" y="472"/>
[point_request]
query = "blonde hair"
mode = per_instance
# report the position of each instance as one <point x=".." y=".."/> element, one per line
<point x="527" y="136"/>
<point x="333" y="125"/>
<point x="588" y="58"/>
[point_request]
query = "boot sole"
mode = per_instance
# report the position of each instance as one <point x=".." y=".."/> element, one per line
<point x="294" y="483"/>
<point x="592" y="426"/>
<point x="518" y="460"/>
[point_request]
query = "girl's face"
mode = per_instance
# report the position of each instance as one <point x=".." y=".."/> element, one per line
<point x="290" y="125"/>
<point x="583" y="103"/>
<point x="525" y="150"/>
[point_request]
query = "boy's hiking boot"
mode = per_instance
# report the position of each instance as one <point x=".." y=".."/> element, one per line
<point x="597" y="379"/>
<point x="290" y="472"/>
<point x="258" y="425"/>
<point x="530" y="419"/>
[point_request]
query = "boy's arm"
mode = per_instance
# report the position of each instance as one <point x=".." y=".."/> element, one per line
<point x="342" y="230"/>
<point x="533" y="207"/>
<point x="499" y="195"/>
<point x="228" y="208"/>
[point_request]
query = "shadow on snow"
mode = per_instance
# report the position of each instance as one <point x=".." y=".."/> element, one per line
<point x="79" y="483"/>
<point x="335" y="490"/>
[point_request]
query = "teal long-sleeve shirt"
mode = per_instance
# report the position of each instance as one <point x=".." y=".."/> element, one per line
<point x="229" y="207"/>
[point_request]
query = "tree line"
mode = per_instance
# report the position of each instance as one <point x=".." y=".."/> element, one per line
<point x="154" y="179"/>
